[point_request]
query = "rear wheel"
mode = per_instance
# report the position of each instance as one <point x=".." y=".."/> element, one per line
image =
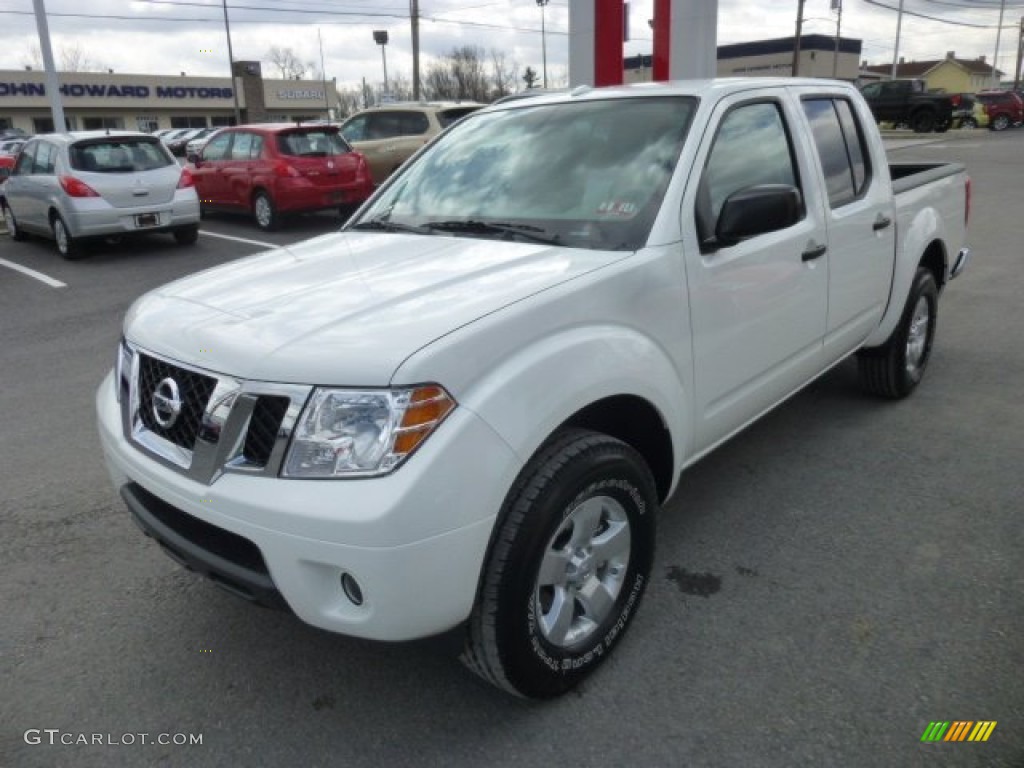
<point x="923" y="121"/>
<point x="187" y="235"/>
<point x="1000" y="122"/>
<point x="12" y="224"/>
<point x="896" y="368"/>
<point x="264" y="212"/>
<point x="571" y="557"/>
<point x="67" y="246"/>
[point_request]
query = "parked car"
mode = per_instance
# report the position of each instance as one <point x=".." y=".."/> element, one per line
<point x="71" y="187"/>
<point x="197" y="142"/>
<point x="11" y="146"/>
<point x="6" y="165"/>
<point x="175" y="133"/>
<point x="161" y="132"/>
<point x="1005" y="108"/>
<point x="908" y="102"/>
<point x="279" y="168"/>
<point x="464" y="409"/>
<point x="13" y="133"/>
<point x="178" y="144"/>
<point x="978" y="117"/>
<point x="389" y="135"/>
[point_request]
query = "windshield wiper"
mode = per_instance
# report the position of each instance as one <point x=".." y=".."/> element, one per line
<point x="475" y="226"/>
<point x="385" y="225"/>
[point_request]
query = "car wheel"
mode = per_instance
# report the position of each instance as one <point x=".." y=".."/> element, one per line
<point x="264" y="212"/>
<point x="969" y="123"/>
<point x="1000" y="123"/>
<point x="896" y="368"/>
<point x="923" y="121"/>
<point x="12" y="224"/>
<point x="186" y="235"/>
<point x="942" y="127"/>
<point x="67" y="246"/>
<point x="567" y="566"/>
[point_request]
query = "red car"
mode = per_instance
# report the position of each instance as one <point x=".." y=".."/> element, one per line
<point x="278" y="168"/>
<point x="1004" y="108"/>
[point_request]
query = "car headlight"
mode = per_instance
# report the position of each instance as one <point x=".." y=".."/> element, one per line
<point x="358" y="433"/>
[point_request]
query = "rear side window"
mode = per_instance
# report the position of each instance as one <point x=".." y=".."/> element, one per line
<point x="449" y="116"/>
<point x="311" y="143"/>
<point x="242" y="146"/>
<point x="119" y="155"/>
<point x="387" y="125"/>
<point x="841" y="149"/>
<point x="751" y="148"/>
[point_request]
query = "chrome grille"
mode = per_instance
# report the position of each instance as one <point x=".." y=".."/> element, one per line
<point x="264" y="424"/>
<point x="194" y="388"/>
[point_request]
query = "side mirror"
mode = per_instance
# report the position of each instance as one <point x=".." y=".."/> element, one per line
<point x="757" y="210"/>
<point x="194" y="159"/>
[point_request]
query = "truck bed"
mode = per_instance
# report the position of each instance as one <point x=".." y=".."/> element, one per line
<point x="907" y="176"/>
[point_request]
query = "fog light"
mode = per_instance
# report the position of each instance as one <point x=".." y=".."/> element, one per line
<point x="352" y="590"/>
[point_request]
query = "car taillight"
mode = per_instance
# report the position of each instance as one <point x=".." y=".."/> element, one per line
<point x="285" y="169"/>
<point x="76" y="187"/>
<point x="186" y="179"/>
<point x="955" y="98"/>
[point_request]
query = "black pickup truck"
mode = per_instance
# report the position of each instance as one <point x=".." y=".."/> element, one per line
<point x="908" y="102"/>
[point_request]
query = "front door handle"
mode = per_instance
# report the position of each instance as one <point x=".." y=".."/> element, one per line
<point x="881" y="223"/>
<point x="814" y="252"/>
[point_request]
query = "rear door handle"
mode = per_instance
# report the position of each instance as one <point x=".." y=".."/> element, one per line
<point x="814" y="252"/>
<point x="881" y="223"/>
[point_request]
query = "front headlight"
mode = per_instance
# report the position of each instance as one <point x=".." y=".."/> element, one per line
<point x="356" y="433"/>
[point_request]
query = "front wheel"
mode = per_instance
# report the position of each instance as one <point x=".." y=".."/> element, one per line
<point x="894" y="369"/>
<point x="969" y="123"/>
<point x="567" y="568"/>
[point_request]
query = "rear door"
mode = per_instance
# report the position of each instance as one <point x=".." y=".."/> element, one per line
<point x="861" y="221"/>
<point x="757" y="308"/>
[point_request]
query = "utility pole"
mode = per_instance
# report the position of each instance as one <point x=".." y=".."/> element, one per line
<point x="231" y="64"/>
<point x="896" y="50"/>
<point x="837" y="5"/>
<point x="796" y="40"/>
<point x="995" y="56"/>
<point x="414" y="15"/>
<point x="544" y="40"/>
<point x="52" y="85"/>
<point x="1020" y="55"/>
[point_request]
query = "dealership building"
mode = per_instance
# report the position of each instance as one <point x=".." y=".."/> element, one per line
<point x="95" y="100"/>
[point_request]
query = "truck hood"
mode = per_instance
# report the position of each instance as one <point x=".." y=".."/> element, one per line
<point x="345" y="308"/>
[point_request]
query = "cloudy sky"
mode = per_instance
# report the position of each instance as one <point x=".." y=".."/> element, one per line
<point x="170" y="36"/>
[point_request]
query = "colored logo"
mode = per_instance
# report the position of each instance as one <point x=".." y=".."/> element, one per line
<point x="958" y="730"/>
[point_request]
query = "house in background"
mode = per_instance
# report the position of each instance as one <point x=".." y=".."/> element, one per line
<point x="950" y="74"/>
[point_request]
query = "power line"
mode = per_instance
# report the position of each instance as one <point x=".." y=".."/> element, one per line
<point x="931" y="18"/>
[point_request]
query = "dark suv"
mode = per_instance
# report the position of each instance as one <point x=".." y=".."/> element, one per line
<point x="1004" y="108"/>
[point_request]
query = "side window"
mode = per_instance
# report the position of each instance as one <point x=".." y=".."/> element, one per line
<point x="257" y="146"/>
<point x="355" y="130"/>
<point x="217" y="149"/>
<point x="751" y="147"/>
<point x="382" y="125"/>
<point x="25" y="160"/>
<point x="46" y="159"/>
<point x="840" y="148"/>
<point x="413" y="123"/>
<point x="242" y="146"/>
<point x="872" y="91"/>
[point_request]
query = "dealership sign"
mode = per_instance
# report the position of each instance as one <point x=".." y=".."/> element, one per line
<point x="110" y="91"/>
<point x="300" y="93"/>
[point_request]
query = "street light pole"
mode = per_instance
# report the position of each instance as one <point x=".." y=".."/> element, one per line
<point x="52" y="84"/>
<point x="231" y="65"/>
<point x="543" y="40"/>
<point x="380" y="37"/>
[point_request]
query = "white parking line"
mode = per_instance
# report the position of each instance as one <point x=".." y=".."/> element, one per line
<point x="32" y="273"/>
<point x="238" y="239"/>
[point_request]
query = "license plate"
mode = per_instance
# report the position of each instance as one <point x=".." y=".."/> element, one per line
<point x="147" y="220"/>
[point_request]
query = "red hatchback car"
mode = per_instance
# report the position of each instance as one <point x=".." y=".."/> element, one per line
<point x="278" y="168"/>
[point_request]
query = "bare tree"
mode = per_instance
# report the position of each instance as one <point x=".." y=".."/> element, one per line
<point x="69" y="58"/>
<point x="460" y="74"/>
<point x="350" y="100"/>
<point x="504" y="74"/>
<point x="289" y="66"/>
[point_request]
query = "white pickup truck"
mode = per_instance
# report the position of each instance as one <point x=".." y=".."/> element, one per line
<point x="465" y="408"/>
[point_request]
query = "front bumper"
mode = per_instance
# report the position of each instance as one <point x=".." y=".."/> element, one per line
<point x="414" y="541"/>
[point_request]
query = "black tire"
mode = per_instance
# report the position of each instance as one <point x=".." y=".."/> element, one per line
<point x="1000" y="122"/>
<point x="264" y="212"/>
<point x="969" y="123"/>
<point x="923" y="121"/>
<point x="12" y="225"/>
<point x="943" y="126"/>
<point x="566" y="511"/>
<point x="894" y="369"/>
<point x="67" y="246"/>
<point x="186" y="235"/>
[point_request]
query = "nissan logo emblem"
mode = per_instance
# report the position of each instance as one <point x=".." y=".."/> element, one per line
<point x="166" y="403"/>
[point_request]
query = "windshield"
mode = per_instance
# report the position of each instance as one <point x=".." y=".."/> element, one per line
<point x="112" y="155"/>
<point x="587" y="174"/>
<point x="315" y="143"/>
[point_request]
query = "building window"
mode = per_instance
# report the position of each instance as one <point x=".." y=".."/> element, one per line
<point x="186" y="121"/>
<point x="5" y="122"/>
<point x="147" y="123"/>
<point x="220" y="121"/>
<point x="101" y="123"/>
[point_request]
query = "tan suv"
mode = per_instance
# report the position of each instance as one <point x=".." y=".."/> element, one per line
<point x="388" y="135"/>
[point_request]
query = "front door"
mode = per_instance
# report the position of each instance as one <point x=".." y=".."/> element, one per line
<point x="757" y="308"/>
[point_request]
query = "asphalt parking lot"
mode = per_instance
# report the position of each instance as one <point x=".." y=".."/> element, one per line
<point x="827" y="583"/>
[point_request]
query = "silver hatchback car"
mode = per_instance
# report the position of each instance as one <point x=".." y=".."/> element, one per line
<point x="74" y="186"/>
